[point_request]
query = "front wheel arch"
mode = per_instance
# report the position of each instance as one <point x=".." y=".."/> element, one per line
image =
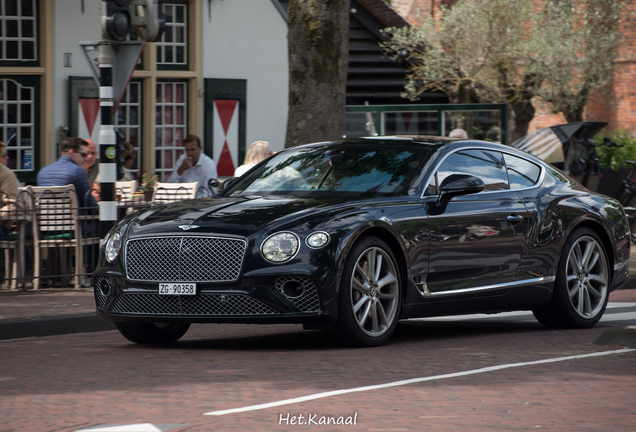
<point x="369" y="309"/>
<point x="396" y="247"/>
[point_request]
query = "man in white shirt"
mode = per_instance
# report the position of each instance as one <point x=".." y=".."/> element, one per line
<point x="193" y="166"/>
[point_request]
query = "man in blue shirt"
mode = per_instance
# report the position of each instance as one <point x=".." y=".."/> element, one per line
<point x="69" y="169"/>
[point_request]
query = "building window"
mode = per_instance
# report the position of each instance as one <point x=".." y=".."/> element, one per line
<point x="18" y="32"/>
<point x="128" y="119"/>
<point x="172" y="49"/>
<point x="17" y="123"/>
<point x="171" y="125"/>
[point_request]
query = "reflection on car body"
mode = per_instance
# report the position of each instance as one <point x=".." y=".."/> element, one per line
<point x="353" y="235"/>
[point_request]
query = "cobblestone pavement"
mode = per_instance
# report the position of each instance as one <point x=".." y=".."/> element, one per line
<point x="84" y="380"/>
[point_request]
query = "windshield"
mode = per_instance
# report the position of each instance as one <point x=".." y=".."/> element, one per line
<point x="346" y="169"/>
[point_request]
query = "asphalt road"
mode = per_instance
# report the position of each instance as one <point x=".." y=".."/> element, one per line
<point x="469" y="373"/>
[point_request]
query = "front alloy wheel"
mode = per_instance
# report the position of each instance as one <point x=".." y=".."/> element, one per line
<point x="582" y="285"/>
<point x="587" y="277"/>
<point x="370" y="294"/>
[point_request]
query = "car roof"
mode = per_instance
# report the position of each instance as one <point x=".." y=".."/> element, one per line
<point x="433" y="142"/>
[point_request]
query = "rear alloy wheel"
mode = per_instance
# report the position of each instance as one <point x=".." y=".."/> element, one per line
<point x="369" y="294"/>
<point x="581" y="290"/>
<point x="153" y="333"/>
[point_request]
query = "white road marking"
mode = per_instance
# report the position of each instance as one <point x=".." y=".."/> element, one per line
<point x="143" y="427"/>
<point x="611" y="305"/>
<point x="409" y="381"/>
<point x="620" y="316"/>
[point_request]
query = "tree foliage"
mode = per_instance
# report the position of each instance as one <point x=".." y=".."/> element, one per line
<point x="317" y="40"/>
<point x="575" y="48"/>
<point x="511" y="51"/>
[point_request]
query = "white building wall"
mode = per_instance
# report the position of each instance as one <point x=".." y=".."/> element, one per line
<point x="242" y="39"/>
<point x="70" y="27"/>
<point x="247" y="39"/>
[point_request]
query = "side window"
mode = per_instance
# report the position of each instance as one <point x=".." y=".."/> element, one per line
<point x="522" y="174"/>
<point x="485" y="164"/>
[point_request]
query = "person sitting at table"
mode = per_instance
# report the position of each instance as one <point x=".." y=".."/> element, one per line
<point x="90" y="164"/>
<point x="69" y="169"/>
<point x="129" y="157"/>
<point x="458" y="133"/>
<point x="194" y="166"/>
<point x="258" y="151"/>
<point x="9" y="185"/>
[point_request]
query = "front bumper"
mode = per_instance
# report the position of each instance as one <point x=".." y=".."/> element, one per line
<point x="270" y="299"/>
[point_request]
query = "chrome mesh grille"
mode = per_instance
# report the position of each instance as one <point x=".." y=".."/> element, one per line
<point x="308" y="301"/>
<point x="100" y="298"/>
<point x="184" y="259"/>
<point x="205" y="304"/>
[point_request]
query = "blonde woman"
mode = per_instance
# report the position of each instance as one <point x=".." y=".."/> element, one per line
<point x="258" y="151"/>
<point x="9" y="185"/>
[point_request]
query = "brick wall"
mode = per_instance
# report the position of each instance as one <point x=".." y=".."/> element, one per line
<point x="615" y="104"/>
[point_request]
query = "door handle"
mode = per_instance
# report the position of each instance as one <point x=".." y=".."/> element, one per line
<point x="514" y="219"/>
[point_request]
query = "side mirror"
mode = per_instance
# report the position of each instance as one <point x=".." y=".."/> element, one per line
<point x="458" y="184"/>
<point x="228" y="183"/>
<point x="213" y="183"/>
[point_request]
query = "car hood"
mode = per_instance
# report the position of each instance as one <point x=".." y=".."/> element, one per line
<point x="241" y="216"/>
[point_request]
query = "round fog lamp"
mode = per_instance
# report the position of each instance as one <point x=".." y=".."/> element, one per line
<point x="317" y="240"/>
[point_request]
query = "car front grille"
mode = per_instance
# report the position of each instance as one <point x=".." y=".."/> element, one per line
<point x="184" y="259"/>
<point x="205" y="304"/>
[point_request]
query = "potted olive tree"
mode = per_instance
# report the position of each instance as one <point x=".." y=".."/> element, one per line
<point x="612" y="159"/>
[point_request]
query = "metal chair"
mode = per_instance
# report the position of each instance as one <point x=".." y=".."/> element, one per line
<point x="60" y="224"/>
<point x="170" y="192"/>
<point x="14" y="216"/>
<point x="125" y="189"/>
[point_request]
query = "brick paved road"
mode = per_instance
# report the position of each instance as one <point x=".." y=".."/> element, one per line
<point x="76" y="381"/>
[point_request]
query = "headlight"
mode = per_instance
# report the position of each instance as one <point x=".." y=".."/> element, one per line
<point x="113" y="246"/>
<point x="317" y="240"/>
<point x="280" y="247"/>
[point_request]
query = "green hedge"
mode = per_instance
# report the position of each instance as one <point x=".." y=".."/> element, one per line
<point x="615" y="157"/>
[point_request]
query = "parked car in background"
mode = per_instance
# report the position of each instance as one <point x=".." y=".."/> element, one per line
<point x="351" y="236"/>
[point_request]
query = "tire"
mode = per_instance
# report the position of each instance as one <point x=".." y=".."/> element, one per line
<point x="370" y="295"/>
<point x="153" y="333"/>
<point x="581" y="290"/>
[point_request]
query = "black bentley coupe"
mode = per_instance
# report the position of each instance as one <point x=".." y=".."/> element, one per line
<point x="351" y="236"/>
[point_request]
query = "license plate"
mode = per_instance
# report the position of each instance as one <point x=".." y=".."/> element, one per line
<point x="177" y="289"/>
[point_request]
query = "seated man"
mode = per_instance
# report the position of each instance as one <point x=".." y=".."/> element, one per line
<point x="69" y="169"/>
<point x="194" y="166"/>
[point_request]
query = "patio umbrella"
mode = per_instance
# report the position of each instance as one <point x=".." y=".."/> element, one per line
<point x="567" y="146"/>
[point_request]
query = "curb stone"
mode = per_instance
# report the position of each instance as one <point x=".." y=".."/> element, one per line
<point x="625" y="336"/>
<point x="51" y="326"/>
